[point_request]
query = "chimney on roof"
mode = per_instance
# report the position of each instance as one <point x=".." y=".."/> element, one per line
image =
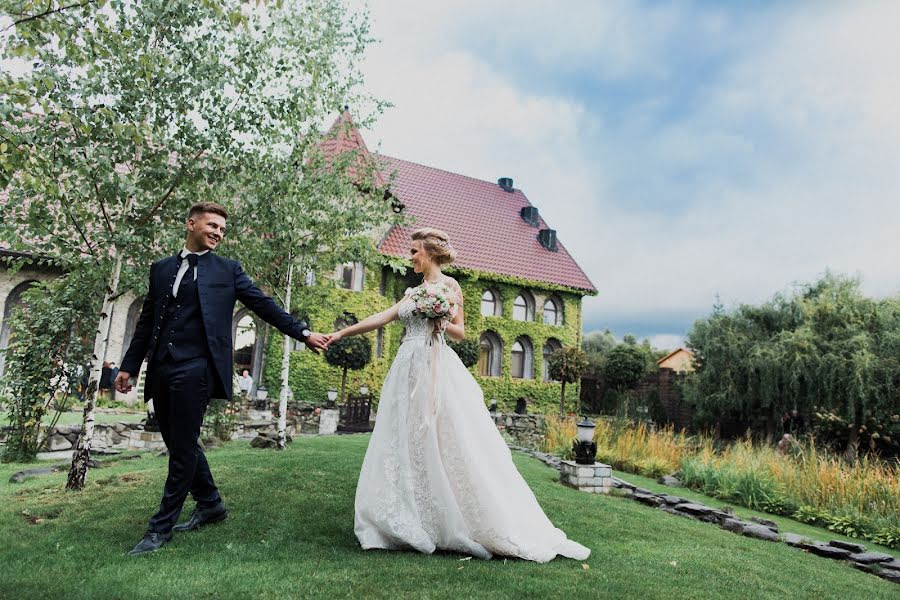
<point x="530" y="215"/>
<point x="506" y="184"/>
<point x="547" y="238"/>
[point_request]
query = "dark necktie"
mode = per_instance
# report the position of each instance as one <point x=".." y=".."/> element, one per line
<point x="191" y="272"/>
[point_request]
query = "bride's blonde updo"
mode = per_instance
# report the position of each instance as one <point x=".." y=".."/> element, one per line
<point x="436" y="244"/>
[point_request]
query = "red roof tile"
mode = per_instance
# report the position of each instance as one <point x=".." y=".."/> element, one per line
<point x="483" y="222"/>
<point x="344" y="137"/>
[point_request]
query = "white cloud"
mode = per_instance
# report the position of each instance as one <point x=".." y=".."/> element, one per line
<point x="783" y="164"/>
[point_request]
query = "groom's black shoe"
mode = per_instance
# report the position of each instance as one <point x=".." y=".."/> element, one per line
<point x="203" y="516"/>
<point x="152" y="541"/>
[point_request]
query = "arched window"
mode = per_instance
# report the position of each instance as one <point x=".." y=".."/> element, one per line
<point x="522" y="365"/>
<point x="490" y="305"/>
<point x="549" y="348"/>
<point x="244" y="342"/>
<point x="131" y="319"/>
<point x="552" y="312"/>
<point x="490" y="356"/>
<point x="14" y="298"/>
<point x="350" y="275"/>
<point x="523" y="307"/>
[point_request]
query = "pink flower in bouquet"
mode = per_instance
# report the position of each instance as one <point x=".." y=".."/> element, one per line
<point x="434" y="301"/>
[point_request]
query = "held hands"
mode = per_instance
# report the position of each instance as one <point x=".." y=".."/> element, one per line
<point x="122" y="383"/>
<point x="317" y="342"/>
<point x="332" y="338"/>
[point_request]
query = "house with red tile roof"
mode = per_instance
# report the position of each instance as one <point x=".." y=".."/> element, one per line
<point x="522" y="289"/>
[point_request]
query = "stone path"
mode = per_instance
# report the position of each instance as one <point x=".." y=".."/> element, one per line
<point x="878" y="563"/>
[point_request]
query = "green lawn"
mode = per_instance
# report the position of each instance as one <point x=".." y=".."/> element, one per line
<point x="290" y="534"/>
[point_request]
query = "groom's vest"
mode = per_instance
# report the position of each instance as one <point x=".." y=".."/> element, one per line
<point x="182" y="335"/>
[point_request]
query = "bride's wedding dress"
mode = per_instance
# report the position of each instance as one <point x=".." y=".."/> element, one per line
<point x="437" y="474"/>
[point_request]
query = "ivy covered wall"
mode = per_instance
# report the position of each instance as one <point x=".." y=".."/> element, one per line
<point x="311" y="377"/>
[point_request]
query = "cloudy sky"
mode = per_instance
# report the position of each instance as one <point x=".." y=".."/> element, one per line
<point x="682" y="151"/>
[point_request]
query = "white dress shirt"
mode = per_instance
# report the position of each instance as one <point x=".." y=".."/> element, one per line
<point x="183" y="269"/>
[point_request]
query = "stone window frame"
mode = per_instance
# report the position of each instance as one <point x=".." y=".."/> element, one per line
<point x="527" y="350"/>
<point x="557" y="309"/>
<point x="495" y="300"/>
<point x="528" y="301"/>
<point x="494" y="365"/>
<point x="13" y="299"/>
<point x="351" y="275"/>
<point x="551" y="345"/>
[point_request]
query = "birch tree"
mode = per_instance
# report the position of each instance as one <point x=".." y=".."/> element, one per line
<point x="124" y="113"/>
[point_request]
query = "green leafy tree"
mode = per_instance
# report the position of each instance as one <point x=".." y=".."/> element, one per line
<point x="624" y="366"/>
<point x="129" y="112"/>
<point x="825" y="345"/>
<point x="349" y="353"/>
<point x="316" y="211"/>
<point x="566" y="366"/>
<point x="467" y="350"/>
<point x="596" y="345"/>
<point x="45" y="358"/>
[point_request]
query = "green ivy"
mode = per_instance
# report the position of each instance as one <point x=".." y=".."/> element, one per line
<point x="311" y="377"/>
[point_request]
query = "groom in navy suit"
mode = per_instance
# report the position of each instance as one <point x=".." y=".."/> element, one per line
<point x="184" y="332"/>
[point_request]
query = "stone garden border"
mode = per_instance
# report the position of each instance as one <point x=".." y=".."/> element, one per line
<point x="883" y="565"/>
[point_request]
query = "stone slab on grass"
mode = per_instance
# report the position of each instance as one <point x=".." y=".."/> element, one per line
<point x="760" y="532"/>
<point x="851" y="546"/>
<point x="827" y="550"/>
<point x="871" y="557"/>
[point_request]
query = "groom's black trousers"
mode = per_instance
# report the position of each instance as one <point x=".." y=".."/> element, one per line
<point x="181" y="392"/>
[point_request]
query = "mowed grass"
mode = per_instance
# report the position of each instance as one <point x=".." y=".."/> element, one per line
<point x="290" y="535"/>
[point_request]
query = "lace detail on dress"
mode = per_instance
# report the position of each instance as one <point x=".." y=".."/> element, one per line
<point x="416" y="326"/>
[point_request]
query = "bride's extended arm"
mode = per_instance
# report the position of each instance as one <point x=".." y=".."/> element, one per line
<point x="368" y="324"/>
<point x="456" y="329"/>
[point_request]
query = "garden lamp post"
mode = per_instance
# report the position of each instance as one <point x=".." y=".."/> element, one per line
<point x="584" y="446"/>
<point x="332" y="396"/>
<point x="261" y="395"/>
<point x="363" y="390"/>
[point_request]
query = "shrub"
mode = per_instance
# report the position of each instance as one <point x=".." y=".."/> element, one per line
<point x="467" y="350"/>
<point x="49" y="342"/>
<point x="349" y="353"/>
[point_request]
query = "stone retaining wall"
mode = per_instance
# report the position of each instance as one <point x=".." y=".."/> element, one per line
<point x="526" y="430"/>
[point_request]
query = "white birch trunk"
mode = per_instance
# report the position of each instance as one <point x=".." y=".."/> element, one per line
<point x="82" y="454"/>
<point x="285" y="365"/>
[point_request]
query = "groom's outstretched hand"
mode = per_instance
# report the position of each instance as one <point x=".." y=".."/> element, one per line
<point x="316" y="342"/>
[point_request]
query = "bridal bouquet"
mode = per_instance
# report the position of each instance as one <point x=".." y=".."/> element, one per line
<point x="434" y="301"/>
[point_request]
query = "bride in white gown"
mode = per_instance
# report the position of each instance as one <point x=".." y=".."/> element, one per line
<point x="437" y="474"/>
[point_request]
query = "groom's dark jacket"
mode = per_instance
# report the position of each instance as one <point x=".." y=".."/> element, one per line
<point x="206" y="309"/>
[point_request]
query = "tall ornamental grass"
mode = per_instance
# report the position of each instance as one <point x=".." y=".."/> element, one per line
<point x="636" y="449"/>
<point x="859" y="500"/>
<point x="814" y="486"/>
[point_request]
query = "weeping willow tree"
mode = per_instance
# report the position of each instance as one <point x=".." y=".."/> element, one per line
<point x="823" y="346"/>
